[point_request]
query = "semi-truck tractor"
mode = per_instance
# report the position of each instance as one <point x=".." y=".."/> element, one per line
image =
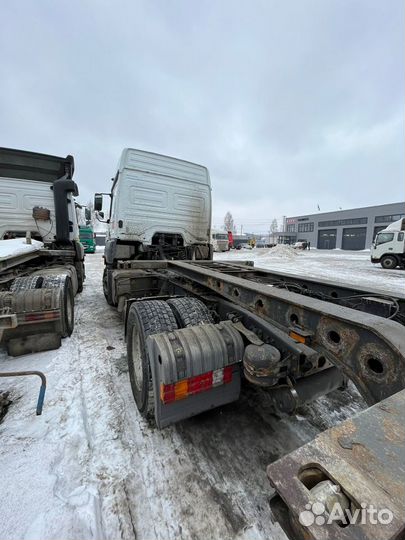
<point x="196" y="328"/>
<point x="220" y="241"/>
<point x="159" y="208"/>
<point x="87" y="238"/>
<point x="41" y="257"/>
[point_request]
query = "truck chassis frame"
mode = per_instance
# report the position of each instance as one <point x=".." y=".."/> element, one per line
<point x="322" y="330"/>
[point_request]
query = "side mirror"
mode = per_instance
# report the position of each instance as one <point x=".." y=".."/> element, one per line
<point x="101" y="214"/>
<point x="87" y="214"/>
<point x="98" y="202"/>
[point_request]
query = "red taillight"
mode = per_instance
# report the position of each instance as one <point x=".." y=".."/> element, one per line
<point x="167" y="393"/>
<point x="195" y="385"/>
<point x="40" y="316"/>
<point x="198" y="384"/>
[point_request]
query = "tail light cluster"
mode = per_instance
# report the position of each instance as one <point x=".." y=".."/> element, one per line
<point x="39" y="316"/>
<point x="194" y="385"/>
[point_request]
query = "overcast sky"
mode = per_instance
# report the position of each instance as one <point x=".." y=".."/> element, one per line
<point x="289" y="103"/>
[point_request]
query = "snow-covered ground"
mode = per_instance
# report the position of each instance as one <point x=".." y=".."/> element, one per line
<point x="352" y="267"/>
<point x="91" y="468"/>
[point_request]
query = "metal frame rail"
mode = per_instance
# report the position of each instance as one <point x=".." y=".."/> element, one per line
<point x="369" y="349"/>
<point x="369" y="300"/>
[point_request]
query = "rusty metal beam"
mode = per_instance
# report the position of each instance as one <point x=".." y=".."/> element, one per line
<point x="360" y="298"/>
<point x="370" y="350"/>
<point x="365" y="457"/>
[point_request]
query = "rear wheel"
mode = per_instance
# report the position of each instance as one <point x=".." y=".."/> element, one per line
<point x="389" y="262"/>
<point x="26" y="283"/>
<point x="64" y="283"/>
<point x="107" y="286"/>
<point x="145" y="318"/>
<point x="81" y="276"/>
<point x="190" y="311"/>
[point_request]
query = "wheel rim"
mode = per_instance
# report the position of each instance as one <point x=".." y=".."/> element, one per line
<point x="137" y="359"/>
<point x="388" y="263"/>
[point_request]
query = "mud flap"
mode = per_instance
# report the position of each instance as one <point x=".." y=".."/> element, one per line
<point x="181" y="357"/>
<point x="33" y="343"/>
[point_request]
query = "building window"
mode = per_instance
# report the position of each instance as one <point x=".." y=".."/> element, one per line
<point x="303" y="219"/>
<point x="306" y="227"/>
<point x="339" y="222"/>
<point x="388" y="219"/>
<point x="291" y="227"/>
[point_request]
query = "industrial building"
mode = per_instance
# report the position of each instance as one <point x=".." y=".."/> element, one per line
<point x="352" y="229"/>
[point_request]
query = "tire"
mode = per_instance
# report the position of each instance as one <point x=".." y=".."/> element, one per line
<point x="107" y="286"/>
<point x="145" y="318"/>
<point x="64" y="283"/>
<point x="190" y="311"/>
<point x="26" y="283"/>
<point x="389" y="262"/>
<point x="81" y="275"/>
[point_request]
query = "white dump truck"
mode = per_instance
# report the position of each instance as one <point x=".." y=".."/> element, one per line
<point x="388" y="247"/>
<point x="41" y="258"/>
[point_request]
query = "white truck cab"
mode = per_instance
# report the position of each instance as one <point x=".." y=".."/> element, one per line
<point x="219" y="240"/>
<point x="37" y="196"/>
<point x="388" y="247"/>
<point x="160" y="207"/>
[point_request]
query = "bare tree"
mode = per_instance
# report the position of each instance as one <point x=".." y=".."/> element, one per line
<point x="229" y="224"/>
<point x="273" y="229"/>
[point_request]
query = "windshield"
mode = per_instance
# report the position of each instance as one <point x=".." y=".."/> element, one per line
<point x="220" y="236"/>
<point x="382" y="238"/>
<point x="86" y="235"/>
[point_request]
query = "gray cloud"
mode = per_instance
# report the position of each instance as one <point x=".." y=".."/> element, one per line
<point x="289" y="104"/>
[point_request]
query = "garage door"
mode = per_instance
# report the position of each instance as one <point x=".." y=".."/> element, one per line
<point x="354" y="238"/>
<point x="327" y="239"/>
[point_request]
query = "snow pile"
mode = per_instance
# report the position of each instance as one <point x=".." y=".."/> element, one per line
<point x="283" y="251"/>
<point x="17" y="246"/>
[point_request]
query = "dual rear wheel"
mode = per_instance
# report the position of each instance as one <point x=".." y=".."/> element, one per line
<point x="148" y="317"/>
<point x="52" y="281"/>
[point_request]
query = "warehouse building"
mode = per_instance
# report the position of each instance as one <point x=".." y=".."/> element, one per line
<point x="345" y="229"/>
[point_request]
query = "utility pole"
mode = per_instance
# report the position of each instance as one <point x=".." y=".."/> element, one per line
<point x="241" y="229"/>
